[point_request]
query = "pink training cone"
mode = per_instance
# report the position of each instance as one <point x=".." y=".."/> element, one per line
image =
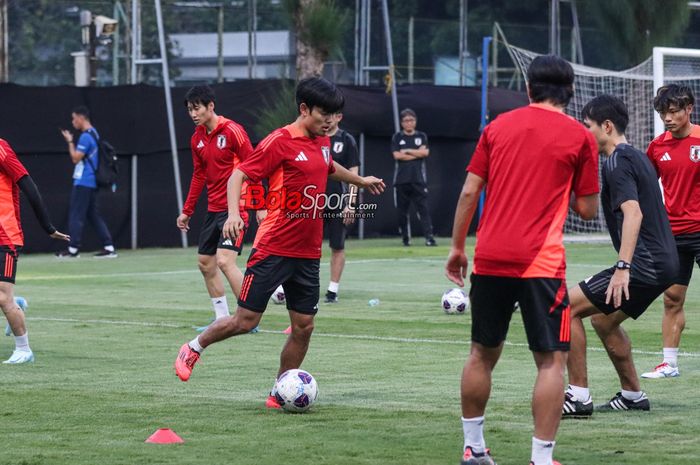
<point x="287" y="331"/>
<point x="164" y="436"/>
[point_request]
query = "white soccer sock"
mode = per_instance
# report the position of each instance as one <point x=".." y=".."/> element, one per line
<point x="195" y="345"/>
<point x="22" y="342"/>
<point x="333" y="286"/>
<point x="581" y="393"/>
<point x="474" y="434"/>
<point x="631" y="395"/>
<point x="109" y="248"/>
<point x="671" y="356"/>
<point x="220" y="306"/>
<point x="542" y="451"/>
<point x="73" y="250"/>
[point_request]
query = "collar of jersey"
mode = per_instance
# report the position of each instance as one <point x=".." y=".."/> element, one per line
<point x="694" y="132"/>
<point x="219" y="126"/>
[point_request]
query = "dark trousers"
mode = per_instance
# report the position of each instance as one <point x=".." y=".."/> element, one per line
<point x="83" y="207"/>
<point x="416" y="194"/>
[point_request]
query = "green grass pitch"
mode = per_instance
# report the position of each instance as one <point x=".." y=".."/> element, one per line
<point x="105" y="334"/>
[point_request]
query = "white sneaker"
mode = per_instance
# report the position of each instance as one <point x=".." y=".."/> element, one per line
<point x="20" y="356"/>
<point x="663" y="370"/>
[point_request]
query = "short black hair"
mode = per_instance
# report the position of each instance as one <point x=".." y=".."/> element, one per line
<point x="407" y="112"/>
<point x="320" y="93"/>
<point x="607" y="107"/>
<point x="673" y="94"/>
<point x="550" y="77"/>
<point x="203" y="95"/>
<point x="82" y="110"/>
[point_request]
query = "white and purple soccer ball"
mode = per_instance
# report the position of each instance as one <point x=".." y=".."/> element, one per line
<point x="296" y="391"/>
<point x="455" y="301"/>
<point x="278" y="297"/>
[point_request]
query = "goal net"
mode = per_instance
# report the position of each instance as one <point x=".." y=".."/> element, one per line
<point x="636" y="87"/>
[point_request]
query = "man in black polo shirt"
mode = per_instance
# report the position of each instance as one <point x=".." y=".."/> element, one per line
<point x="340" y="212"/>
<point x="410" y="149"/>
<point x="647" y="261"/>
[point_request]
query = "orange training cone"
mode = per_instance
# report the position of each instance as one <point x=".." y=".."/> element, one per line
<point x="164" y="436"/>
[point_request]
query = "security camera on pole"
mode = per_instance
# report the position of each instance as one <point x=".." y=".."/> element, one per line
<point x="85" y="60"/>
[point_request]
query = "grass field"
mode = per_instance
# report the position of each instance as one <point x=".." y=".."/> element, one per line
<point x="105" y="334"/>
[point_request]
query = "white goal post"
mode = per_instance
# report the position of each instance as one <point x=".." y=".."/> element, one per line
<point x="675" y="65"/>
<point x="637" y="88"/>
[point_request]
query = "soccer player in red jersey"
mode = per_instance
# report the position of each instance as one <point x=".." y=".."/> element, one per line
<point x="646" y="266"/>
<point x="676" y="156"/>
<point x="13" y="178"/>
<point x="296" y="159"/>
<point x="530" y="159"/>
<point x="218" y="147"/>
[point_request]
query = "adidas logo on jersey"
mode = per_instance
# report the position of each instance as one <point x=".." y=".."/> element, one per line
<point x="301" y="157"/>
<point x="666" y="157"/>
<point x="200" y="145"/>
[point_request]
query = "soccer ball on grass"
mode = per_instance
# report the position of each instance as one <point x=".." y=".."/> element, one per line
<point x="278" y="297"/>
<point x="455" y="301"/>
<point x="296" y="391"/>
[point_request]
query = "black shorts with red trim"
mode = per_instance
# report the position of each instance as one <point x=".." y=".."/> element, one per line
<point x="544" y="305"/>
<point x="264" y="273"/>
<point x="211" y="237"/>
<point x="641" y="294"/>
<point x="688" y="246"/>
<point x="9" y="255"/>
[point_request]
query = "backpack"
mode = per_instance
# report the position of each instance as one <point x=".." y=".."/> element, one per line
<point x="107" y="170"/>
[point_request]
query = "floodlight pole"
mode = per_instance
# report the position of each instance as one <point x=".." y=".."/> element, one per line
<point x="169" y="111"/>
<point x="484" y="101"/>
<point x="463" y="50"/>
<point x="390" y="57"/>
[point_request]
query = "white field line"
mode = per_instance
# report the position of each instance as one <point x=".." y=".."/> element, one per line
<point x="363" y="337"/>
<point x="193" y="270"/>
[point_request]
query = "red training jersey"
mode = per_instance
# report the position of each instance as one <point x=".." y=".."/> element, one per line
<point x="297" y="168"/>
<point x="677" y="163"/>
<point x="215" y="156"/>
<point x="531" y="158"/>
<point x="11" y="171"/>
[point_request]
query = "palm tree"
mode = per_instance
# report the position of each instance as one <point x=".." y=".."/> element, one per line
<point x="318" y="25"/>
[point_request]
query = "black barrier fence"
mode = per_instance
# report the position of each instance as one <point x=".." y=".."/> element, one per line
<point x="133" y="119"/>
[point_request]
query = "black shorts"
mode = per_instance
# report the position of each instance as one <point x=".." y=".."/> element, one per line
<point x="641" y="294"/>
<point x="265" y="273"/>
<point x="688" y="246"/>
<point x="8" y="263"/>
<point x="336" y="230"/>
<point x="544" y="305"/>
<point x="211" y="238"/>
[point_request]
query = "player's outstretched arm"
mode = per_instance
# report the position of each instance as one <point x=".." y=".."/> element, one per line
<point x="457" y="263"/>
<point x="631" y="224"/>
<point x="371" y="183"/>
<point x="29" y="189"/>
<point x="234" y="223"/>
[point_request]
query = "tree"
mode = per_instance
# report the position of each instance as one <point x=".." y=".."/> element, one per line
<point x="319" y="26"/>
<point x="631" y="28"/>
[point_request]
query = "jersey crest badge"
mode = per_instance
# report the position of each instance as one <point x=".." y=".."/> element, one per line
<point x="221" y="141"/>
<point x="695" y="153"/>
<point x="338" y="147"/>
<point x="418" y="141"/>
<point x="326" y="153"/>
